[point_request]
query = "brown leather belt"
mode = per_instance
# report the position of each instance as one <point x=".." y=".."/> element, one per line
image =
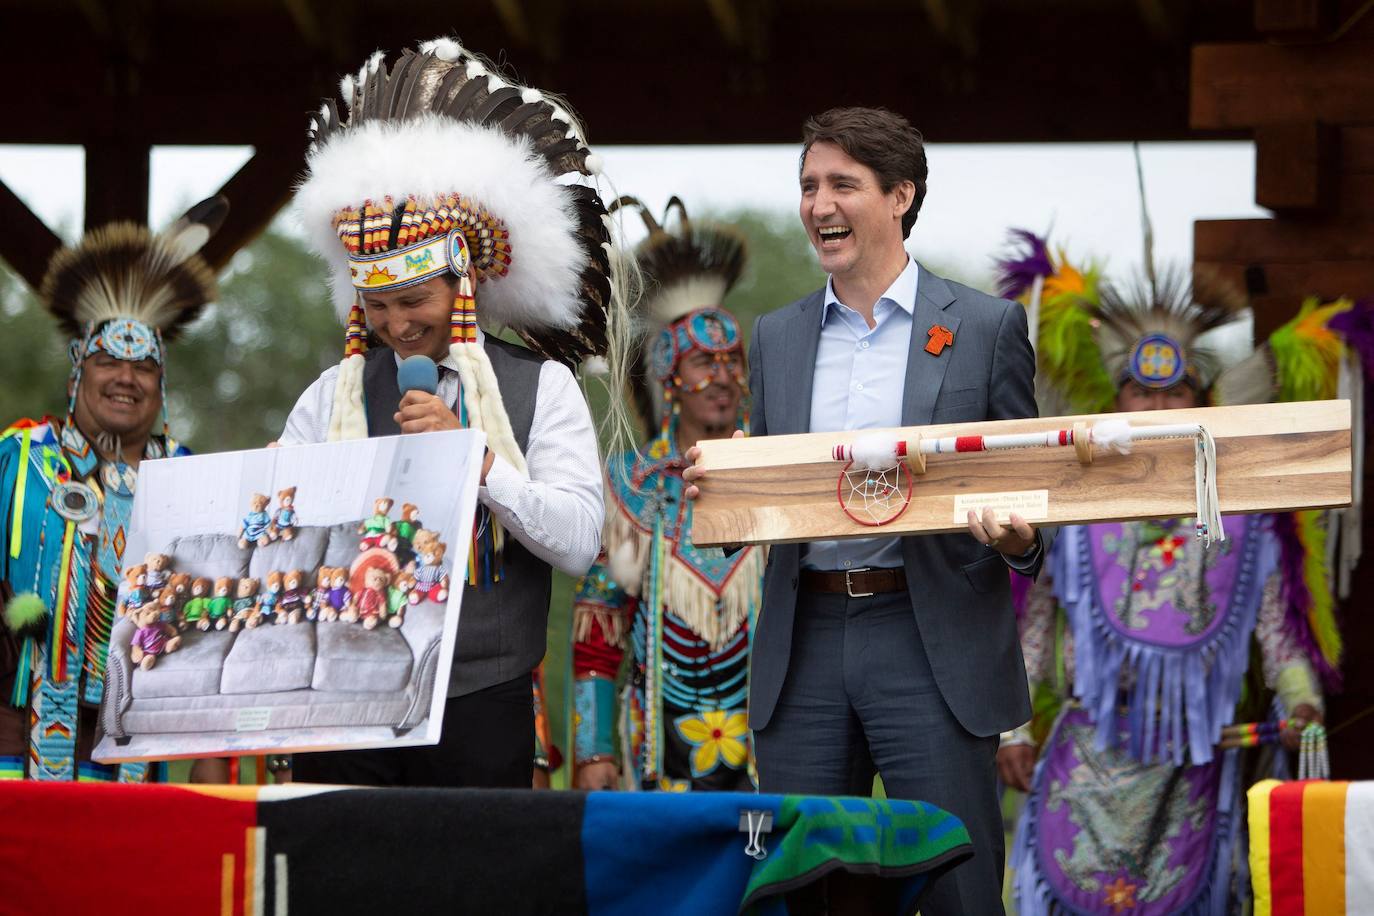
<point x="856" y="583"/>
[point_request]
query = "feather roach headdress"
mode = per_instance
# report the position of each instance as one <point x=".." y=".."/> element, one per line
<point x="126" y="291"/>
<point x="437" y="166"/>
<point x="687" y="269"/>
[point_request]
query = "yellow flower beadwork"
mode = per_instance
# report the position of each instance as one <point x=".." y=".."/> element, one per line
<point x="715" y="735"/>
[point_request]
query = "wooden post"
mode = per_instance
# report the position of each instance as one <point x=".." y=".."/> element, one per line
<point x="256" y="193"/>
<point x="116" y="182"/>
<point x="27" y="244"/>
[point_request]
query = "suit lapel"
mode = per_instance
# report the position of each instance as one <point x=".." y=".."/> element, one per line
<point x="925" y="372"/>
<point x="798" y="373"/>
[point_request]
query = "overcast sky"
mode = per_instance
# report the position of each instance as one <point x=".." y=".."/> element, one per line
<point x="1086" y="191"/>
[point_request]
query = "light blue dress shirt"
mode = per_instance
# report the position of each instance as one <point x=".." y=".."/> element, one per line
<point x="859" y="383"/>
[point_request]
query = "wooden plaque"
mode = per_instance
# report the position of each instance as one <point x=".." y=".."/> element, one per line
<point x="1271" y="457"/>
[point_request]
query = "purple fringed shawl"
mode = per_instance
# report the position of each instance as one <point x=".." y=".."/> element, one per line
<point x="1186" y="685"/>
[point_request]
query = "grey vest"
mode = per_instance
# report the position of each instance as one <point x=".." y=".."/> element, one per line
<point x="502" y="631"/>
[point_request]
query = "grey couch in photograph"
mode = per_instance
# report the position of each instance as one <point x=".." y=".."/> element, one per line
<point x="303" y="675"/>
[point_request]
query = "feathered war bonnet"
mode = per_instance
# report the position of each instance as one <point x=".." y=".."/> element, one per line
<point x="127" y="292"/>
<point x="687" y="269"/>
<point x="440" y="167"/>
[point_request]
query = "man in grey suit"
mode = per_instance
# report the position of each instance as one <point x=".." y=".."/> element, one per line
<point x="895" y="654"/>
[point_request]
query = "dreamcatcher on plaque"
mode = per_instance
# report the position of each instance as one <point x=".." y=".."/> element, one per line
<point x="874" y="488"/>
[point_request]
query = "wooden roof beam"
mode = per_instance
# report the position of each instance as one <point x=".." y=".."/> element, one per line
<point x="116" y="182"/>
<point x="27" y="244"/>
<point x="256" y="192"/>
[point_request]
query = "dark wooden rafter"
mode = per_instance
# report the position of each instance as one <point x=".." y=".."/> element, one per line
<point x="256" y="193"/>
<point x="27" y="244"/>
<point x="117" y="175"/>
<point x="677" y="71"/>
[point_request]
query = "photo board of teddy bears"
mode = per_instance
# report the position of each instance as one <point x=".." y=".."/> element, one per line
<point x="291" y="599"/>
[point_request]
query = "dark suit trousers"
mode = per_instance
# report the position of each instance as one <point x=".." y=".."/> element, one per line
<point x="487" y="742"/>
<point x="859" y="695"/>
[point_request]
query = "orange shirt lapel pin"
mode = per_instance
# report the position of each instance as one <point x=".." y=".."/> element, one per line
<point x="940" y="337"/>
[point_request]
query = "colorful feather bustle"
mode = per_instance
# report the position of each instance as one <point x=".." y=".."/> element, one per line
<point x="1356" y="327"/>
<point x="1067" y="353"/>
<point x="1310" y="615"/>
<point x="1016" y="273"/>
<point x="1308" y="352"/>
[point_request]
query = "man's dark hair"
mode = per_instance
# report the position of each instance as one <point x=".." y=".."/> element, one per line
<point x="880" y="139"/>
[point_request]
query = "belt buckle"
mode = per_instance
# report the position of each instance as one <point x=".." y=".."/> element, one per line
<point x="849" y="583"/>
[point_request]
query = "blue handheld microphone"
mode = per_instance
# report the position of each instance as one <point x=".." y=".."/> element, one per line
<point x="417" y="373"/>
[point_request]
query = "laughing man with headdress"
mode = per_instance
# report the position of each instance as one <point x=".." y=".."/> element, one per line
<point x="1138" y="641"/>
<point x="684" y="614"/>
<point x="67" y="485"/>
<point x="447" y="194"/>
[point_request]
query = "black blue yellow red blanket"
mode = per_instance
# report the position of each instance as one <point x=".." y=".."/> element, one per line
<point x="109" y="849"/>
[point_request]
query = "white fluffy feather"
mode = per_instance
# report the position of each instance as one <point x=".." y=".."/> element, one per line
<point x="435" y="156"/>
<point x="874" y="453"/>
<point x="443" y="48"/>
<point x="1113" y="436"/>
<point x="673" y="301"/>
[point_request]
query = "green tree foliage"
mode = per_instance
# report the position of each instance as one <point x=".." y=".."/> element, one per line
<point x="32" y="353"/>
<point x="237" y="372"/>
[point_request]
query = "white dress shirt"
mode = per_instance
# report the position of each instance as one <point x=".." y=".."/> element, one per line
<point x="558" y="511"/>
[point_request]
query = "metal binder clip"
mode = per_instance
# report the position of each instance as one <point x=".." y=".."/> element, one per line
<point x="756" y="824"/>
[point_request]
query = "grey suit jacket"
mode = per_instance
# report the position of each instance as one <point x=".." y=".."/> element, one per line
<point x="960" y="590"/>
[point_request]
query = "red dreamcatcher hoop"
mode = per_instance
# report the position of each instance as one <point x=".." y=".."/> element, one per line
<point x="874" y="497"/>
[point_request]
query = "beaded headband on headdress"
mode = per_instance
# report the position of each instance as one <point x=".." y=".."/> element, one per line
<point x="708" y="330"/>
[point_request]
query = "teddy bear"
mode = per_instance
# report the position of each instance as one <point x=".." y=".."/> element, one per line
<point x="152" y="638"/>
<point x="406" y="527"/>
<point x="196" y="611"/>
<point x="268" y="599"/>
<point x="284" y="520"/>
<point x="135" y="589"/>
<point x="430" y="579"/>
<point x="339" y="601"/>
<point x="168" y="609"/>
<point x="245" y="603"/>
<point x="397" y="595"/>
<point x="318" y="600"/>
<point x="178" y="588"/>
<point x="157" y="573"/>
<point x="292" y="609"/>
<point x="371" y="603"/>
<point x="220" y="605"/>
<point x="256" y="522"/>
<point x="377" y="530"/>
